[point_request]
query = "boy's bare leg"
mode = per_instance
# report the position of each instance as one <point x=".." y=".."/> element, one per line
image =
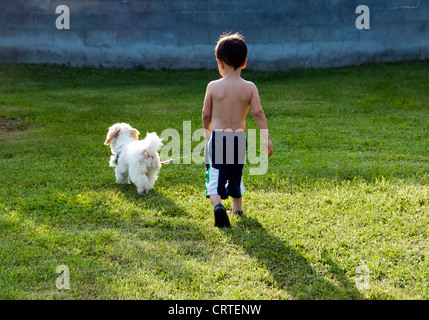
<point x="236" y="204"/>
<point x="215" y="199"/>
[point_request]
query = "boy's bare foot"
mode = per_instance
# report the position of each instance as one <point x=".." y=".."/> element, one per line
<point x="221" y="217"/>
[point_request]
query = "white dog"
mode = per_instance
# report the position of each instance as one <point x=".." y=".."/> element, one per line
<point x="133" y="159"/>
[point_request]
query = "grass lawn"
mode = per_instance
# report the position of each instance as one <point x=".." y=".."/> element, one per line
<point x="346" y="195"/>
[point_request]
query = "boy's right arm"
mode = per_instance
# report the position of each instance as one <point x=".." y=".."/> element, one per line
<point x="207" y="112"/>
<point x="260" y="119"/>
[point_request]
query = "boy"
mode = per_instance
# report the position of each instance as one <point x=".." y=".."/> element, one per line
<point x="226" y="104"/>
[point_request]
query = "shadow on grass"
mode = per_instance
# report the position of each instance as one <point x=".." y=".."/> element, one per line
<point x="153" y="200"/>
<point x="290" y="270"/>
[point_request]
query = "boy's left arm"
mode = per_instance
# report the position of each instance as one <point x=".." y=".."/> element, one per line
<point x="260" y="119"/>
<point x="207" y="112"/>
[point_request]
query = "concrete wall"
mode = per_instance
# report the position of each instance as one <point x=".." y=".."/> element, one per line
<point x="281" y="34"/>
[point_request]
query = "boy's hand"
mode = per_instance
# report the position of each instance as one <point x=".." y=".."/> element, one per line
<point x="206" y="134"/>
<point x="268" y="147"/>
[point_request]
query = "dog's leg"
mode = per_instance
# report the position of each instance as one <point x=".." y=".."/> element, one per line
<point x="121" y="176"/>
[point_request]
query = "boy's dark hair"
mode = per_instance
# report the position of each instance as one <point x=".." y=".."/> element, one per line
<point x="231" y="49"/>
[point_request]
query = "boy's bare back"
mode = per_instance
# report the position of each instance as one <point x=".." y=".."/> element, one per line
<point x="229" y="99"/>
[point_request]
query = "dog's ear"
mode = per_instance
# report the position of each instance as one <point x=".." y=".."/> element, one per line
<point x="112" y="134"/>
<point x="135" y="134"/>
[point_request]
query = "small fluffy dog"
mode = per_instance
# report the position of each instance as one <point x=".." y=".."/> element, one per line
<point x="133" y="159"/>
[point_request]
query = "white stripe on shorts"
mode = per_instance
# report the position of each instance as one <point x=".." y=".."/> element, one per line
<point x="213" y="181"/>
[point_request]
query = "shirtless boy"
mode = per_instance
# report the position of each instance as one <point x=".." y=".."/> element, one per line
<point x="226" y="104"/>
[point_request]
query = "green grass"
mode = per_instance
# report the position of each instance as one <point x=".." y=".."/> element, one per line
<point x="348" y="186"/>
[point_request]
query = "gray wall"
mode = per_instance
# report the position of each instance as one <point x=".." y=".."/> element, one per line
<point x="281" y="34"/>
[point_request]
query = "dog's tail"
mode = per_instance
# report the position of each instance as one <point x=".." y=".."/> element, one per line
<point x="152" y="145"/>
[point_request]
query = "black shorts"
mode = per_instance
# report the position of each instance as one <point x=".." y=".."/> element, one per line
<point x="225" y="158"/>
